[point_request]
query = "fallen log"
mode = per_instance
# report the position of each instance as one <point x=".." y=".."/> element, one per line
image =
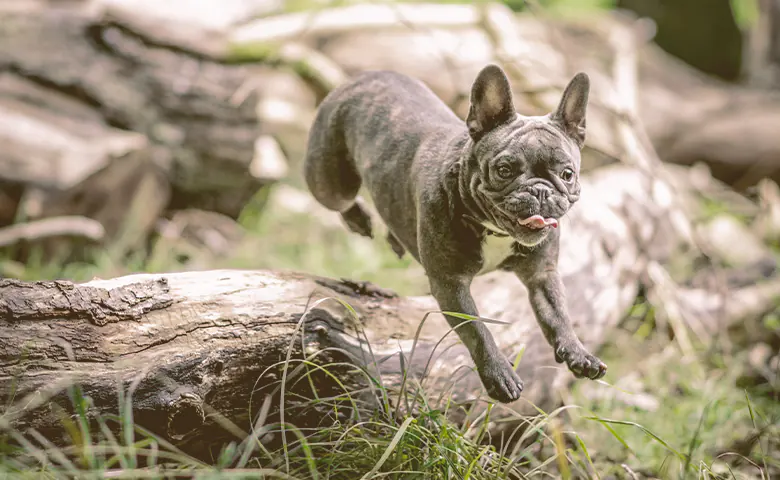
<point x="196" y="348"/>
<point x="97" y="119"/>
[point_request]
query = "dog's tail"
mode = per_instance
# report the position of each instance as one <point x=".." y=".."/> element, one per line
<point x="330" y="170"/>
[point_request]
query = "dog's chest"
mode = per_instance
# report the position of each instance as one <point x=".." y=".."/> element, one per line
<point x="495" y="249"/>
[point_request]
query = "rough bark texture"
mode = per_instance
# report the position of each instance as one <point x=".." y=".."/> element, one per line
<point x="61" y="299"/>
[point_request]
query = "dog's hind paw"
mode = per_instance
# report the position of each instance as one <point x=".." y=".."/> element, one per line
<point x="358" y="220"/>
<point x="501" y="382"/>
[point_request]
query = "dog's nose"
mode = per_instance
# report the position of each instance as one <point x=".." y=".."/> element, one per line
<point x="540" y="191"/>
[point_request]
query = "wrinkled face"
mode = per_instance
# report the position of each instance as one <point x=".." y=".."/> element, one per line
<point x="525" y="170"/>
<point x="528" y="177"/>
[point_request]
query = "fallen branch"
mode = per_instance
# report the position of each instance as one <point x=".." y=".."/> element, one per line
<point x="70" y="226"/>
<point x="329" y="21"/>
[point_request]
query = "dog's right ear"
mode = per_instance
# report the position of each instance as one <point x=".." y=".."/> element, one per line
<point x="491" y="102"/>
<point x="570" y="114"/>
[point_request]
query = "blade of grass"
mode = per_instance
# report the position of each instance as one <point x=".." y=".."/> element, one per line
<point x="253" y="439"/>
<point x="299" y="327"/>
<point x="755" y="426"/>
<point x="80" y="403"/>
<point x="648" y="432"/>
<point x="587" y="455"/>
<point x="694" y="440"/>
<point x="389" y="450"/>
<point x="560" y="450"/>
<point x="113" y="442"/>
<point x="356" y="318"/>
<point x="467" y="319"/>
<point x="55" y="453"/>
<point x="611" y="430"/>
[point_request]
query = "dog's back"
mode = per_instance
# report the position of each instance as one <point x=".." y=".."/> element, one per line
<point x="369" y="132"/>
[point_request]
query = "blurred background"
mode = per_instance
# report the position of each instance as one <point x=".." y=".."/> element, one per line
<point x="151" y="136"/>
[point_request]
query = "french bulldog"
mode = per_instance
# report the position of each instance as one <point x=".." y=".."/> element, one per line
<point x="444" y="187"/>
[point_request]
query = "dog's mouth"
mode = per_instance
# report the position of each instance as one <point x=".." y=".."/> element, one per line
<point x="538" y="222"/>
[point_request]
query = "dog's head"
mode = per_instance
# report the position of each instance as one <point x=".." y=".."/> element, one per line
<point x="527" y="167"/>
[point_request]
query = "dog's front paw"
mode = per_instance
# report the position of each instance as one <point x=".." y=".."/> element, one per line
<point x="580" y="361"/>
<point x="500" y="381"/>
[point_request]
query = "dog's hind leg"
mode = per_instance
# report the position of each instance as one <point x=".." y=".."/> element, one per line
<point x="331" y="174"/>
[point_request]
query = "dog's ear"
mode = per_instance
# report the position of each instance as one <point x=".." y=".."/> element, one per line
<point x="570" y="114"/>
<point x="491" y="102"/>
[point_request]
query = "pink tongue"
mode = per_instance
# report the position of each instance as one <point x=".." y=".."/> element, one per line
<point x="537" y="221"/>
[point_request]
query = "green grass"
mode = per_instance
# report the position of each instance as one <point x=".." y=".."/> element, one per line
<point x="702" y="420"/>
<point x="426" y="445"/>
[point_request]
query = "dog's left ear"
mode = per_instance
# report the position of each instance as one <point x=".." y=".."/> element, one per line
<point x="570" y="114"/>
<point x="491" y="102"/>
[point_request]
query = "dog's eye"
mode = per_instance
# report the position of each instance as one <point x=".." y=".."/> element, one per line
<point x="504" y="171"/>
<point x="567" y="175"/>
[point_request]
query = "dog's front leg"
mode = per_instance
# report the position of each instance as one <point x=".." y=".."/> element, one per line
<point x="548" y="301"/>
<point x="499" y="379"/>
